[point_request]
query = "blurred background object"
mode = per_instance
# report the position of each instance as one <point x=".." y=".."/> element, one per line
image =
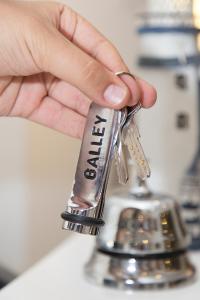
<point x="171" y="30"/>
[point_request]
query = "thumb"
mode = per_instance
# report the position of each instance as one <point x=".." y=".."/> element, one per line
<point x="63" y="59"/>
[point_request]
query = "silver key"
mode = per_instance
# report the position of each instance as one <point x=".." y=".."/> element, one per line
<point x="119" y="155"/>
<point x="131" y="138"/>
<point x="120" y="161"/>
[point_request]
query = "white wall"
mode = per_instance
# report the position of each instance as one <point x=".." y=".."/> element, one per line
<point x="37" y="164"/>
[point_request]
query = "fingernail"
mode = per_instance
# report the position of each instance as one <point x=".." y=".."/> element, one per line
<point x="114" y="94"/>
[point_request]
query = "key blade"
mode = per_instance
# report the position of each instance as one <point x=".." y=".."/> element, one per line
<point x="121" y="165"/>
<point x="132" y="141"/>
<point x="119" y="156"/>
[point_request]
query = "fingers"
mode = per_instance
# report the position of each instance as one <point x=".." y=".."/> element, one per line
<point x="58" y="117"/>
<point x="90" y="40"/>
<point x="69" y="96"/>
<point x="149" y="94"/>
<point x="87" y="38"/>
<point x="66" y="61"/>
<point x="132" y="84"/>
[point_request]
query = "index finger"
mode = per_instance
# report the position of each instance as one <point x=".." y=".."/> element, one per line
<point x="90" y="40"/>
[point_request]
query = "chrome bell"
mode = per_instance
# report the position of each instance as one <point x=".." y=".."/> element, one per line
<point x="143" y="244"/>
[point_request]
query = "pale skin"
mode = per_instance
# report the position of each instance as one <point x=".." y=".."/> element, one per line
<point x="53" y="63"/>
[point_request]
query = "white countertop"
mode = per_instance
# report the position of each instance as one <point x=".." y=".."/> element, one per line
<point x="59" y="276"/>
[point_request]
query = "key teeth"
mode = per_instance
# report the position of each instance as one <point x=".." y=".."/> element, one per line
<point x="132" y="141"/>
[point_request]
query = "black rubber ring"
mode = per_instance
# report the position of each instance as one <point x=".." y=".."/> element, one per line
<point x="142" y="257"/>
<point x="86" y="221"/>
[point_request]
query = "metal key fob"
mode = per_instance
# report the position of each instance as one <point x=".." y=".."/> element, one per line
<point x="85" y="206"/>
<point x="106" y="132"/>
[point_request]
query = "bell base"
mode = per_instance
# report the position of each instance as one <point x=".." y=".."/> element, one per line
<point x="139" y="274"/>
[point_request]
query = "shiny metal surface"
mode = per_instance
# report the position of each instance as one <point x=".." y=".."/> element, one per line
<point x="142" y="223"/>
<point x="101" y="140"/>
<point x="93" y="168"/>
<point x="79" y="228"/>
<point x="134" y="273"/>
<point x="131" y="138"/>
<point x="143" y="245"/>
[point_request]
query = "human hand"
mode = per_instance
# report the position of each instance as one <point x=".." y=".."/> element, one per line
<point x="53" y="63"/>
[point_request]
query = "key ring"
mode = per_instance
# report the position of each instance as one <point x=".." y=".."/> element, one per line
<point x="137" y="107"/>
<point x="120" y="73"/>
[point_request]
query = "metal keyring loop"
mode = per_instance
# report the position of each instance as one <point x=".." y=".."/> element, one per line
<point x="138" y="106"/>
<point x="120" y="73"/>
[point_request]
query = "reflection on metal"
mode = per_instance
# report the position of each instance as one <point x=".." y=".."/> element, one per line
<point x="143" y="244"/>
<point x="131" y="273"/>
